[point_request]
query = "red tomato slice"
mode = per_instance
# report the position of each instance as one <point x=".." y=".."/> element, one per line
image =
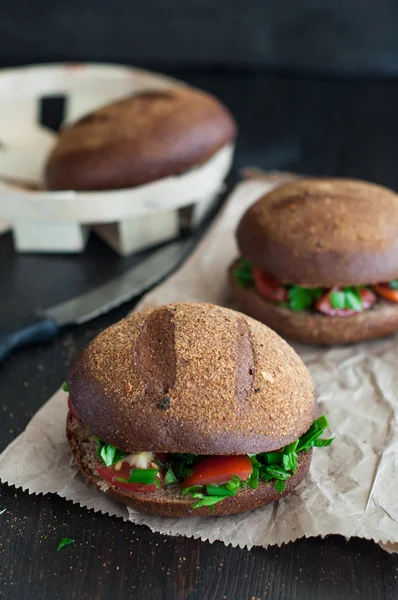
<point x="324" y="305"/>
<point x="383" y="289"/>
<point x="72" y="410"/>
<point x="110" y="474"/>
<point x="219" y="469"/>
<point x="269" y="286"/>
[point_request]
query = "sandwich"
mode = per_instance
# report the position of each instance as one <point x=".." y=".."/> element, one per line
<point x="192" y="410"/>
<point x="319" y="261"/>
<point x="139" y="140"/>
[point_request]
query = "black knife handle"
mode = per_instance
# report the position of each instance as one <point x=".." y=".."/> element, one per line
<point x="38" y="329"/>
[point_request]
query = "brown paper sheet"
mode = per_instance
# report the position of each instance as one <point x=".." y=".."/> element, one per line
<point x="352" y="488"/>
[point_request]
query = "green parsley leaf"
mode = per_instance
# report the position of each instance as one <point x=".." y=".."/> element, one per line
<point x="252" y="482"/>
<point x="280" y="486"/>
<point x="337" y="300"/>
<point x="108" y="453"/>
<point x="255" y="461"/>
<point x="208" y="501"/>
<point x="181" y="464"/>
<point x="170" y="478"/>
<point x="144" y="476"/>
<point x="274" y="458"/>
<point x="393" y="285"/>
<point x="353" y="299"/>
<point x="290" y="447"/>
<point x="234" y="483"/>
<point x="302" y="298"/>
<point x="243" y="273"/>
<point x="321" y="423"/>
<point x="65" y="386"/>
<point x="220" y="490"/>
<point x="265" y="475"/>
<point x="277" y="472"/>
<point x="307" y="440"/>
<point x="323" y="443"/>
<point x="64" y="542"/>
<point x="290" y="462"/>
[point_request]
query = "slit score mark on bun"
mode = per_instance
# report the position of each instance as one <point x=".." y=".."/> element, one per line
<point x="245" y="362"/>
<point x="155" y="356"/>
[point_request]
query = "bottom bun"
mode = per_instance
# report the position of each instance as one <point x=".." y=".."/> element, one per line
<point x="169" y="502"/>
<point x="312" y="327"/>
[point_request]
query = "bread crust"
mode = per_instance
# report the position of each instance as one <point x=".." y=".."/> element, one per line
<point x="323" y="232"/>
<point x="139" y="139"/>
<point x="169" y="502"/>
<point x="192" y="378"/>
<point x="312" y="327"/>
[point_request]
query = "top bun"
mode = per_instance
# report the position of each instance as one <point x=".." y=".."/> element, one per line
<point x="192" y="378"/>
<point x="138" y="140"/>
<point x="324" y="232"/>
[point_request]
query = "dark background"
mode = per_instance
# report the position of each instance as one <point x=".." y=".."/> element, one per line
<point x="312" y="86"/>
<point x="350" y="37"/>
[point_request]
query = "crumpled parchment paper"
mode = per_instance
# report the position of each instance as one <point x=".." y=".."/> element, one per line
<point x="352" y="487"/>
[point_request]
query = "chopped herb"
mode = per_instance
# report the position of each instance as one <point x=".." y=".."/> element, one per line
<point x="337" y="300"/>
<point x="393" y="284"/>
<point x="277" y="472"/>
<point x="65" y="386"/>
<point x="64" y="542"/>
<point x="265" y="475"/>
<point x="290" y="447"/>
<point x="220" y="490"/>
<point x="208" y="501"/>
<point x="290" y="462"/>
<point x="252" y="482"/>
<point x="353" y="299"/>
<point x="280" y="486"/>
<point x="108" y="453"/>
<point x="181" y="464"/>
<point x="243" y="273"/>
<point x="307" y="440"/>
<point x="323" y="443"/>
<point x="274" y="458"/>
<point x="234" y="483"/>
<point x="170" y="478"/>
<point x="301" y="298"/>
<point x="348" y="298"/>
<point x="145" y="476"/>
<point x="193" y="490"/>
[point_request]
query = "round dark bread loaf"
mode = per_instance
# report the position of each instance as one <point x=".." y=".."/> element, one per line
<point x="138" y="140"/>
<point x="168" y="501"/>
<point x="192" y="378"/>
<point x="323" y="232"/>
<point x="313" y="327"/>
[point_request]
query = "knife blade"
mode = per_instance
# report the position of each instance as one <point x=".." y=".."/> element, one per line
<point x="45" y="325"/>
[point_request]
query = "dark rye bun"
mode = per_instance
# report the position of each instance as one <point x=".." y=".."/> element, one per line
<point x="169" y="502"/>
<point x="323" y="232"/>
<point x="192" y="378"/>
<point x="140" y="139"/>
<point x="312" y="327"/>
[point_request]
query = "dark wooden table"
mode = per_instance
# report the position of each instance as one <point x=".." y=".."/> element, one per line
<point x="345" y="128"/>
